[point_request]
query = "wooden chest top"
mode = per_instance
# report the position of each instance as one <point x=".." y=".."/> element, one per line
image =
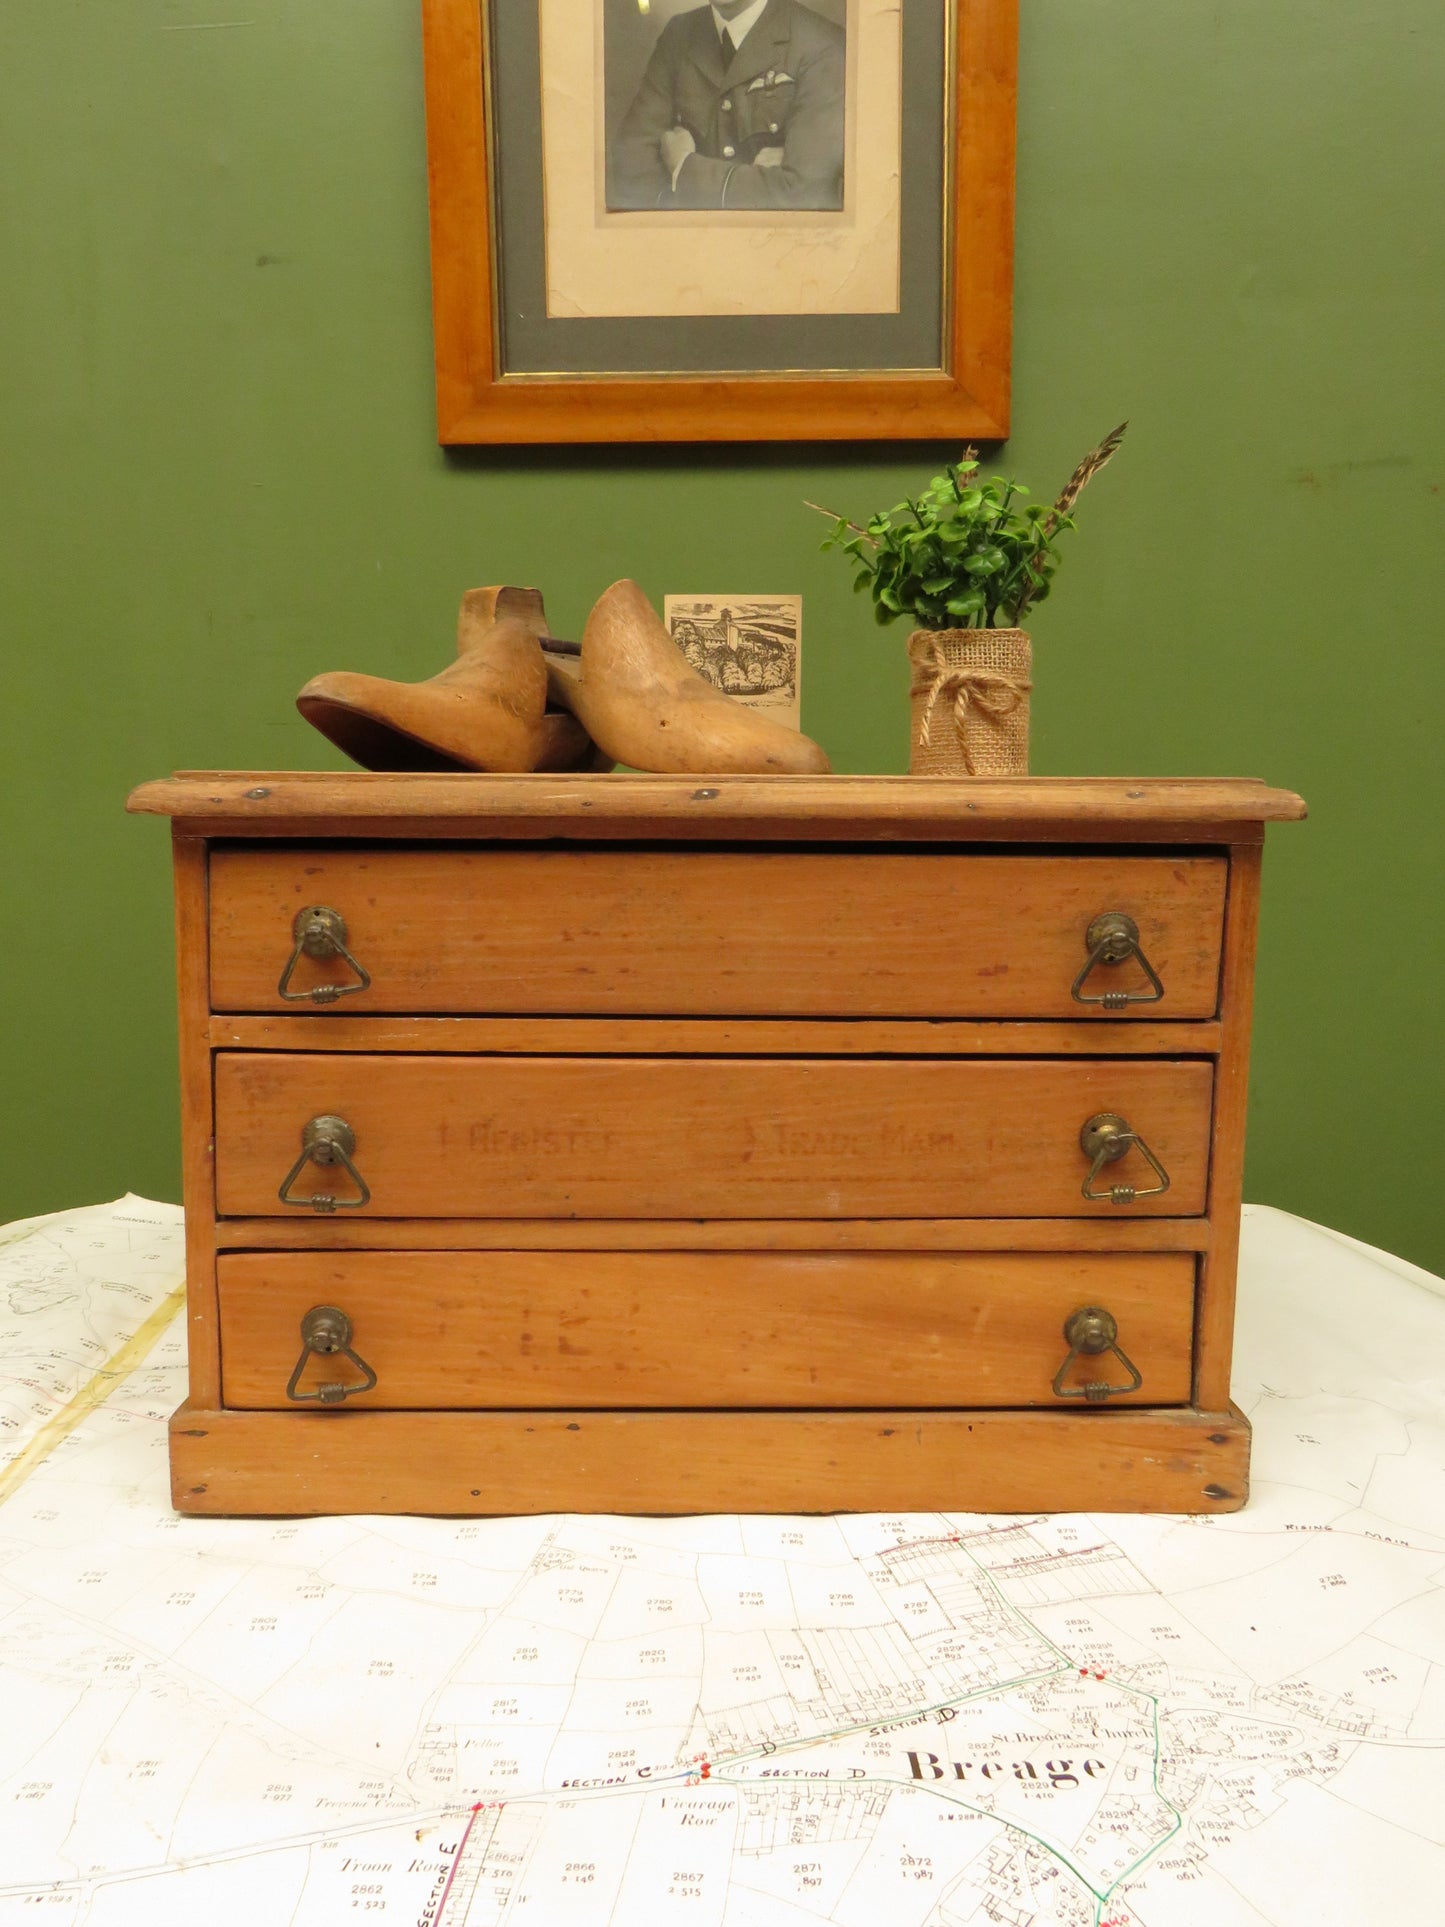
<point x="748" y="808"/>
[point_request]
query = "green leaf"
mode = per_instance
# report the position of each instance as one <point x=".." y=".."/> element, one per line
<point x="967" y="605"/>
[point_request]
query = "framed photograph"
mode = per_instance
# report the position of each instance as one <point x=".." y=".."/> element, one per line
<point x="749" y="220"/>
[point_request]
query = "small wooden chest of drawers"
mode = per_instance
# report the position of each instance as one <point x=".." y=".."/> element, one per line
<point x="656" y="1144"/>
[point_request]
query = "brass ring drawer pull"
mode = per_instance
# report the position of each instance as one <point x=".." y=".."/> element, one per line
<point x="320" y="931"/>
<point x="326" y="1140"/>
<point x="1104" y="1139"/>
<point x="1113" y="938"/>
<point x="1089" y="1333"/>
<point x="326" y="1331"/>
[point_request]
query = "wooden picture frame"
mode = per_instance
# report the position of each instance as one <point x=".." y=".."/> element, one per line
<point x="482" y="399"/>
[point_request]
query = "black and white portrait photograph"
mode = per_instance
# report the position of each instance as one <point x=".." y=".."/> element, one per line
<point x="723" y="160"/>
<point x="733" y="104"/>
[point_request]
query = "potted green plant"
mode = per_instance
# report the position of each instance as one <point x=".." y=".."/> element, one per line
<point x="967" y="560"/>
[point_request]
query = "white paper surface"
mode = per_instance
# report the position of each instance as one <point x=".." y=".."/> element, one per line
<point x="1147" y="1722"/>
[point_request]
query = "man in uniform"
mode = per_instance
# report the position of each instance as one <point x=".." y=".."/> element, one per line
<point x="741" y="106"/>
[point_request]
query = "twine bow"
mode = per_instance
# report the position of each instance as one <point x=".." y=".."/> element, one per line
<point x="992" y="692"/>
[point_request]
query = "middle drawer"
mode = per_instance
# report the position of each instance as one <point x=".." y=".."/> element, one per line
<point x="566" y="1137"/>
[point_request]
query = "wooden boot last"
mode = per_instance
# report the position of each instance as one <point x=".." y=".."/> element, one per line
<point x="644" y="704"/>
<point x="486" y="711"/>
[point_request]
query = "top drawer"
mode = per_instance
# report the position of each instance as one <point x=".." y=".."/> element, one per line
<point x="648" y="932"/>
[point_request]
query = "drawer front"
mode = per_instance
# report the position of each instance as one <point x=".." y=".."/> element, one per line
<point x="504" y="1137"/>
<point x="678" y="932"/>
<point x="496" y="1329"/>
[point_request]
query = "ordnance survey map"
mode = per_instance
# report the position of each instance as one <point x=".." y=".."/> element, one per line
<point x="922" y="1721"/>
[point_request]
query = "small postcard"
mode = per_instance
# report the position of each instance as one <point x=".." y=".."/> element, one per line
<point x="748" y="645"/>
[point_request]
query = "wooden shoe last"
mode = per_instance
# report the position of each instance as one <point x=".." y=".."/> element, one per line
<point x="643" y="703"/>
<point x="486" y="711"/>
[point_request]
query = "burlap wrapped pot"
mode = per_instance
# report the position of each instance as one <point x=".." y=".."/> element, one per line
<point x="970" y="700"/>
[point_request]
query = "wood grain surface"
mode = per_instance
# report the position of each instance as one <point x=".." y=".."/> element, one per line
<point x="1218" y="1277"/>
<point x="742" y="933"/>
<point x="708" y="1137"/>
<point x="755" y="808"/>
<point x="446" y="1330"/>
<point x="198" y="1163"/>
<point x="471" y="1463"/>
<point x="352" y="1232"/>
<point x="335" y="1029"/>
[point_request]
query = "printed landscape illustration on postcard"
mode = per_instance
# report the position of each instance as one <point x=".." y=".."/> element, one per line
<point x="748" y="646"/>
<point x="742" y="158"/>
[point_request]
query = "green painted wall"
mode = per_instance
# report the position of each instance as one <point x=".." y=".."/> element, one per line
<point x="217" y="476"/>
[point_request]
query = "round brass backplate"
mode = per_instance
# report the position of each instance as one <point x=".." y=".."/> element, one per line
<point x="1106" y="1136"/>
<point x="1114" y="935"/>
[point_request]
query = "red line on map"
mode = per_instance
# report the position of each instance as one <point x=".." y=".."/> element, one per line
<point x="456" y="1862"/>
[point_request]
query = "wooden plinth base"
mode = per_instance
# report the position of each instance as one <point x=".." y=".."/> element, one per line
<point x="285" y="1463"/>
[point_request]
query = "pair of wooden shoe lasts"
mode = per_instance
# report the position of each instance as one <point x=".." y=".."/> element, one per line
<point x="517" y="699"/>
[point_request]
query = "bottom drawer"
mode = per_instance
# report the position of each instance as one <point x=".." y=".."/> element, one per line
<point x="546" y="1329"/>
